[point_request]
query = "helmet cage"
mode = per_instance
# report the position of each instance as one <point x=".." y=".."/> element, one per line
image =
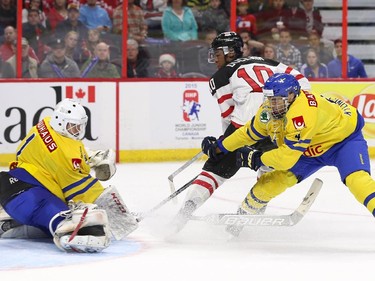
<point x="277" y="89"/>
<point x="69" y="119"/>
<point x="279" y="106"/>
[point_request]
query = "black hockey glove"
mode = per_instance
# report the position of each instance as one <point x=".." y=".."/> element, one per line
<point x="249" y="157"/>
<point x="210" y="146"/>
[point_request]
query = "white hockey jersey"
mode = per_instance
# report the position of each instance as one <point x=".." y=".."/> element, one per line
<point x="237" y="87"/>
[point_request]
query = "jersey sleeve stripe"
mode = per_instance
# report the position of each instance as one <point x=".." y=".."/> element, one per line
<point x="299" y="76"/>
<point x="223" y="98"/>
<point x="75" y="184"/>
<point x="83" y="190"/>
<point x="288" y="70"/>
<point x="254" y="131"/>
<point x="227" y="112"/>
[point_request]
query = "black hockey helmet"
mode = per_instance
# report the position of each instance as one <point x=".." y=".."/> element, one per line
<point x="226" y="41"/>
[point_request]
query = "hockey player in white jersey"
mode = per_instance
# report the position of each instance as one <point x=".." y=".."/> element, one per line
<point x="237" y="87"/>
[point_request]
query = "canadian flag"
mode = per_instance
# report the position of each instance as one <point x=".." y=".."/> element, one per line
<point x="298" y="122"/>
<point x="80" y="93"/>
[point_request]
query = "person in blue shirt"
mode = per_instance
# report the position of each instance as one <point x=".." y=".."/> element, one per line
<point x="355" y="69"/>
<point x="313" y="68"/>
<point x="178" y="22"/>
<point x="94" y="16"/>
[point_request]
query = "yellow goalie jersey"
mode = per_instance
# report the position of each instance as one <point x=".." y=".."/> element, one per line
<point x="311" y="126"/>
<point x="58" y="163"/>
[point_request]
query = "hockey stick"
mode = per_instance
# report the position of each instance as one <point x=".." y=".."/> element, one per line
<point x="179" y="170"/>
<point x="141" y="216"/>
<point x="267" y="220"/>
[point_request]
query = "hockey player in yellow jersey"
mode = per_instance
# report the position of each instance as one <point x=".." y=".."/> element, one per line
<point x="311" y="131"/>
<point x="49" y="186"/>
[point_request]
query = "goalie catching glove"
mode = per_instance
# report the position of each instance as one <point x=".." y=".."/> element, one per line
<point x="249" y="157"/>
<point x="103" y="162"/>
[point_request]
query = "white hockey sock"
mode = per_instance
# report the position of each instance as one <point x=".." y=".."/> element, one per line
<point x="203" y="187"/>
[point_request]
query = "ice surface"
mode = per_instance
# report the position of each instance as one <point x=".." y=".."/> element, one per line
<point x="334" y="241"/>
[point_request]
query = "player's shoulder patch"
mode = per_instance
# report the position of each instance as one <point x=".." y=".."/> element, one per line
<point x="265" y="116"/>
<point x="298" y="122"/>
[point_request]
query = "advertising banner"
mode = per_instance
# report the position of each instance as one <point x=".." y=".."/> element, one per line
<point x="24" y="104"/>
<point x="359" y="94"/>
<point x="167" y="115"/>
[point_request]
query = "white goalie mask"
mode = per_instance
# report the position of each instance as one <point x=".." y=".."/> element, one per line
<point x="69" y="119"/>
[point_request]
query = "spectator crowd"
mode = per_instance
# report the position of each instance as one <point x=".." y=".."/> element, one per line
<point x="165" y="38"/>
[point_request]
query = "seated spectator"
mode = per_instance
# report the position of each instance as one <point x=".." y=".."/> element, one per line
<point x="197" y="7"/>
<point x="206" y="68"/>
<point x="36" y="34"/>
<point x="38" y="6"/>
<point x="153" y="12"/>
<point x="167" y="63"/>
<point x="286" y="52"/>
<point x="258" y="6"/>
<point x="56" y="64"/>
<point x="88" y="46"/>
<point x="313" y="68"/>
<point x="7" y="48"/>
<point x="271" y="20"/>
<point x="314" y="18"/>
<point x="324" y="53"/>
<point x="137" y="28"/>
<point x="355" y="67"/>
<point x="29" y="64"/>
<point x="269" y="52"/>
<point x="57" y="14"/>
<point x="94" y="16"/>
<point x="296" y="20"/>
<point x="72" y="24"/>
<point x="8" y="14"/>
<point x="246" y="50"/>
<point x="73" y="49"/>
<point x="255" y="47"/>
<point x="137" y="65"/>
<point x="178" y="22"/>
<point x="214" y="17"/>
<point x="100" y="66"/>
<point x="245" y="21"/>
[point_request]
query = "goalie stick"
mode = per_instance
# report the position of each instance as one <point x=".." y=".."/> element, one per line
<point x="266" y="220"/>
<point x="179" y="170"/>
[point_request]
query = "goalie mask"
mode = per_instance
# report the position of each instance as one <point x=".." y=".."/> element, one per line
<point x="277" y="89"/>
<point x="69" y="119"/>
<point x="226" y="41"/>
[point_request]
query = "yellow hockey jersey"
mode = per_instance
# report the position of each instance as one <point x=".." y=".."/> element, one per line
<point x="58" y="163"/>
<point x="311" y="126"/>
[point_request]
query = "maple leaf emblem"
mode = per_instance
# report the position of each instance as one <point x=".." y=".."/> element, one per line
<point x="80" y="94"/>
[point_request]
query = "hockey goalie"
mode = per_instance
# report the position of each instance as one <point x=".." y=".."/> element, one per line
<point x="54" y="188"/>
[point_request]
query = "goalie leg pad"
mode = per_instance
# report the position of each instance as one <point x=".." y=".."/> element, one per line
<point x="93" y="230"/>
<point x="121" y="221"/>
